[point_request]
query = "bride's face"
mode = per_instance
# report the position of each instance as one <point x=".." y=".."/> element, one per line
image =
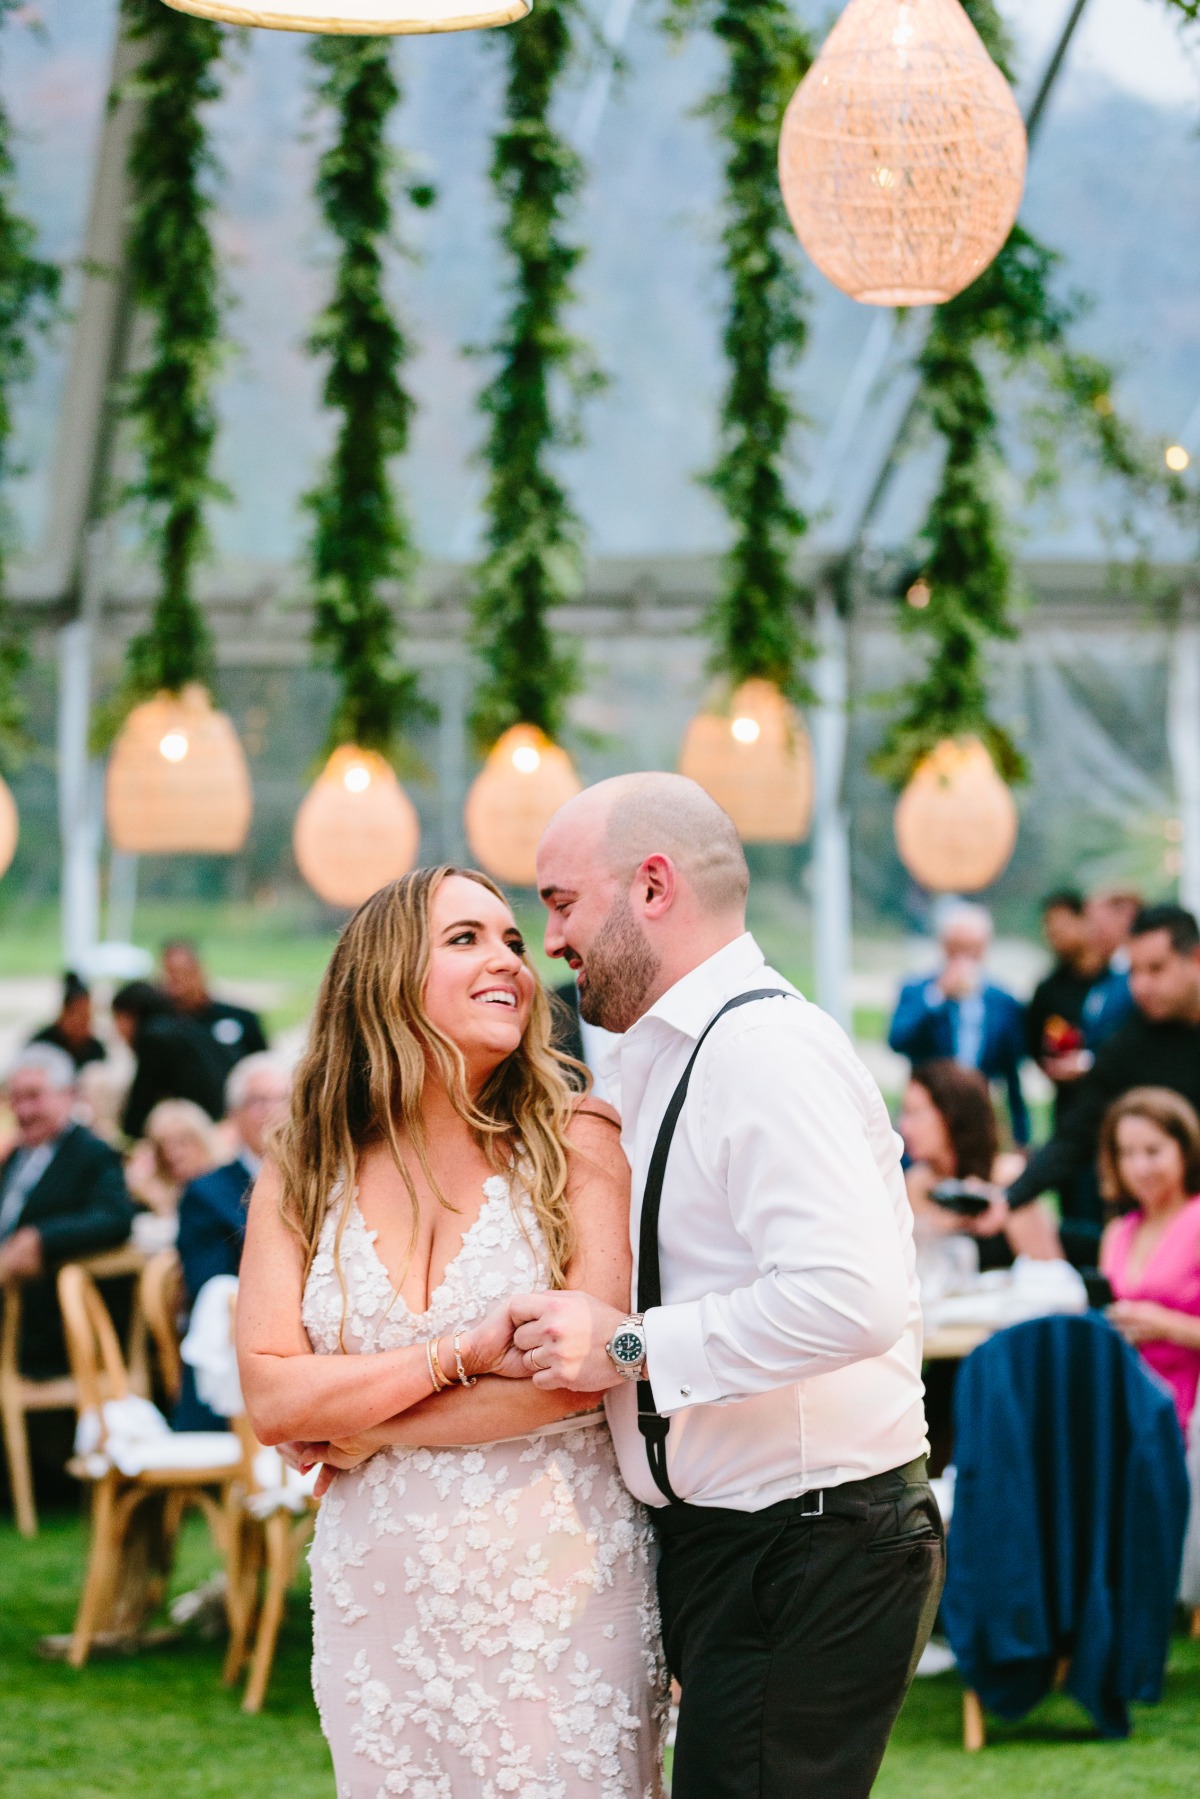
<point x="479" y="989"/>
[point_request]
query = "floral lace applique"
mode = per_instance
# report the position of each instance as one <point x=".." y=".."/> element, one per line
<point x="485" y="1619"/>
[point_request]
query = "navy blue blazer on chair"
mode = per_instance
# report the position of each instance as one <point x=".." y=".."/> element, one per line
<point x="925" y="1029"/>
<point x="1069" y="1516"/>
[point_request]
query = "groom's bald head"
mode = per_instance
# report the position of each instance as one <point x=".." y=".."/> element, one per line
<point x="643" y="877"/>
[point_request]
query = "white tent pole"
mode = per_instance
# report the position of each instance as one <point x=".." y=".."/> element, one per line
<point x="832" y="917"/>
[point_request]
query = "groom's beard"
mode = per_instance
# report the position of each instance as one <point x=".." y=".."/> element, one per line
<point x="620" y="970"/>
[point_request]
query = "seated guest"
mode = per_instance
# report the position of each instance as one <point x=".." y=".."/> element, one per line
<point x="62" y="1194"/>
<point x="175" y="1058"/>
<point x="72" y="1029"/>
<point x="180" y="1144"/>
<point x="949" y="1131"/>
<point x="235" y="1031"/>
<point x="1150" y="1164"/>
<point x="212" y="1210"/>
<point x="961" y="1016"/>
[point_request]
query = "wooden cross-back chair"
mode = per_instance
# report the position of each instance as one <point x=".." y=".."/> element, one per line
<point x="21" y="1394"/>
<point x="263" y="1546"/>
<point x="161" y="1300"/>
<point x="135" y="1517"/>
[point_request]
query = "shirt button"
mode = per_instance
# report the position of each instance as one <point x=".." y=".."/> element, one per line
<point x="685" y="1392"/>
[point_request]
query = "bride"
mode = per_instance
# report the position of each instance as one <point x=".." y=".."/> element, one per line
<point x="484" y="1623"/>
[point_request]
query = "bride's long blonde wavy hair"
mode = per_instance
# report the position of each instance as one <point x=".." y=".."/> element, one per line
<point x="370" y="1050"/>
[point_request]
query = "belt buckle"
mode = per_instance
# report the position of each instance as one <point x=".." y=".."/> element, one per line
<point x="813" y="1511"/>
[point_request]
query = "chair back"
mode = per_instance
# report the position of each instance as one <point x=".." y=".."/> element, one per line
<point x="161" y="1295"/>
<point x="92" y="1343"/>
<point x="10" y="1331"/>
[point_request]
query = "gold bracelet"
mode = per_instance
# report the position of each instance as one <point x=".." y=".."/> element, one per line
<point x="443" y="1380"/>
<point x="433" y="1379"/>
<point x="463" y="1379"/>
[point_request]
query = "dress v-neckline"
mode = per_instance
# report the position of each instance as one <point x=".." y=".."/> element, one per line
<point x="490" y="1199"/>
<point x="1138" y="1280"/>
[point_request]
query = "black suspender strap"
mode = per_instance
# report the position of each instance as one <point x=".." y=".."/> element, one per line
<point x="649" y="1282"/>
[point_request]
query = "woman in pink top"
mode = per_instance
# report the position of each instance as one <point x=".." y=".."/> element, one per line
<point x="1150" y="1161"/>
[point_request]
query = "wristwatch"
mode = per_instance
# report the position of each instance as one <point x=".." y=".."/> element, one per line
<point x="626" y="1349"/>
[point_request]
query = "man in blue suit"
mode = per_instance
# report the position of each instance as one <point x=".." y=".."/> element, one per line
<point x="212" y="1210"/>
<point x="961" y="1015"/>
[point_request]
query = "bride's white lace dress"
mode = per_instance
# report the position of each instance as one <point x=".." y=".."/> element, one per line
<point x="484" y="1618"/>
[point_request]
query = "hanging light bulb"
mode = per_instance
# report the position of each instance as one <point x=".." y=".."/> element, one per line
<point x="356" y="829"/>
<point x="956" y="821"/>
<point x="9" y="826"/>
<point x="359" y="17"/>
<point x="174" y="746"/>
<point x="902" y="158"/>
<point x="524" y="781"/>
<point x="756" y="762"/>
<point x="1177" y="459"/>
<point x="177" y="780"/>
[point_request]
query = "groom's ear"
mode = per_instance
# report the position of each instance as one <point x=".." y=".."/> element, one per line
<point x="658" y="883"/>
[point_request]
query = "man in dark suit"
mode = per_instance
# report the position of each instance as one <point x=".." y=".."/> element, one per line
<point x="235" y="1030"/>
<point x="961" y="1015"/>
<point x="212" y="1210"/>
<point x="62" y="1194"/>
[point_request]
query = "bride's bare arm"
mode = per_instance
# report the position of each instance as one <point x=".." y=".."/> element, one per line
<point x="598" y="1193"/>
<point x="292" y="1394"/>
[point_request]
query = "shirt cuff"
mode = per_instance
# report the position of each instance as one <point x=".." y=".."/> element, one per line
<point x="675" y="1360"/>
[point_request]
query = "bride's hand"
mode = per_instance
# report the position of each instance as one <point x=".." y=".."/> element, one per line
<point x="488" y="1348"/>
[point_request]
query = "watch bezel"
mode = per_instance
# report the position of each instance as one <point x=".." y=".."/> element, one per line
<point x="629" y="1327"/>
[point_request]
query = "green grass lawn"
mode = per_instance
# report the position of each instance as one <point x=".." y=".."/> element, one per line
<point x="162" y="1724"/>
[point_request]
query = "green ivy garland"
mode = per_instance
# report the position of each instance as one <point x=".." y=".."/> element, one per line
<point x="28" y="292"/>
<point x="534" y="538"/>
<point x="176" y="286"/>
<point x="757" y="622"/>
<point x="361" y="535"/>
<point x="1009" y="316"/>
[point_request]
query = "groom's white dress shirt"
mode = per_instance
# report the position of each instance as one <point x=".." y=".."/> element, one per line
<point x="787" y="1350"/>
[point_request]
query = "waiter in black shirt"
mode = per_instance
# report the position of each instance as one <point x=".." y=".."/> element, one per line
<point x="234" y="1030"/>
<point x="1158" y="1046"/>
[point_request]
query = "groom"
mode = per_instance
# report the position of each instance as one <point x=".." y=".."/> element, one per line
<point x="768" y="1405"/>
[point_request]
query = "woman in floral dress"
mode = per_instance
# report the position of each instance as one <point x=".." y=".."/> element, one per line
<point x="482" y="1585"/>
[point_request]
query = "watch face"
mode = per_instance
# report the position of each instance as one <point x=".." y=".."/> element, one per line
<point x="627" y="1347"/>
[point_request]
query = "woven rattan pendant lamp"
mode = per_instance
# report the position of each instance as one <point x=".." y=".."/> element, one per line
<point x="356" y="829"/>
<point x="177" y="781"/>
<point x="524" y="781"/>
<point x="366" y="18"/>
<point x="956" y="821"/>
<point x="902" y="158"/>
<point x="756" y="762"/>
<point x="9" y="826"/>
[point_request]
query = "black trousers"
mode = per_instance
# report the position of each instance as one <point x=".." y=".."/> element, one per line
<point x="794" y="1637"/>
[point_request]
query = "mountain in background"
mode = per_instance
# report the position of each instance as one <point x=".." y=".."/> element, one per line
<point x="1115" y="185"/>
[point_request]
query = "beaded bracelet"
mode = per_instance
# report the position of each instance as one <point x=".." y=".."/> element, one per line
<point x="464" y="1380"/>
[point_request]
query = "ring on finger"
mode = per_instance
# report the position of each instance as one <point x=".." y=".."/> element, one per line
<point x="534" y="1363"/>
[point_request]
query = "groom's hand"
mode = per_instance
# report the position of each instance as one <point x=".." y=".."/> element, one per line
<point x="563" y="1338"/>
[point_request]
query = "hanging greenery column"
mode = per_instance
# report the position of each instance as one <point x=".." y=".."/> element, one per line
<point x="357" y="828"/>
<point x="754" y="758"/>
<point x="28" y="292"/>
<point x="534" y="538"/>
<point x="177" y="778"/>
<point x="961" y="599"/>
